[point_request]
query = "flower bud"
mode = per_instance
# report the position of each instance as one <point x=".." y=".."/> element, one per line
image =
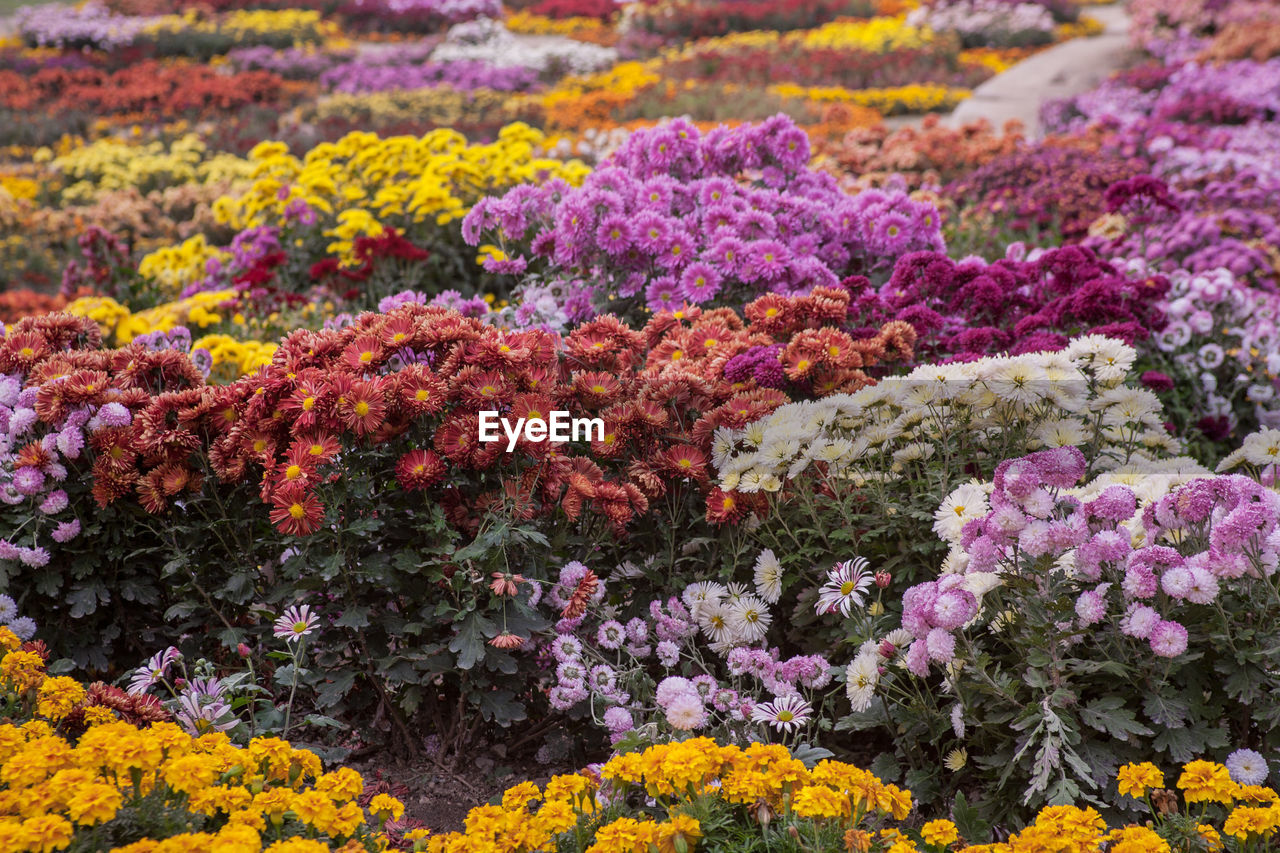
<point x="243" y="650"/>
<point x="883" y="579"/>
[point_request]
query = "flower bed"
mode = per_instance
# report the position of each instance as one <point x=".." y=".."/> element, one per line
<point x="916" y="448"/>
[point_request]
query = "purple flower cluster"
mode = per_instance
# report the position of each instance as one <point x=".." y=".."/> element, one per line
<point x="295" y="63"/>
<point x="969" y="308"/>
<point x="761" y="364"/>
<point x="677" y="216"/>
<point x="1228" y="527"/>
<point x="39" y="488"/>
<point x="932" y="611"/>
<point x="91" y="25"/>
<point x="360" y="76"/>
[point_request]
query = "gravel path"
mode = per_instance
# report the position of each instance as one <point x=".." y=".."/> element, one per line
<point x="1061" y="71"/>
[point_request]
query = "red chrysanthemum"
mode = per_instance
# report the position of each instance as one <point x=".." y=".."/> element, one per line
<point x="724" y="507"/>
<point x="419" y="469"/>
<point x="362" y="408"/>
<point x="362" y="354"/>
<point x="295" y="510"/>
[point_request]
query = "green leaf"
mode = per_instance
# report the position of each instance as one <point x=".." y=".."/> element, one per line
<point x="84" y="599"/>
<point x="354" y="616"/>
<point x="1109" y="715"/>
<point x="468" y="643"/>
<point x="886" y="768"/>
<point x="810" y="754"/>
<point x="330" y="692"/>
<point x="968" y="820"/>
<point x="1166" y="711"/>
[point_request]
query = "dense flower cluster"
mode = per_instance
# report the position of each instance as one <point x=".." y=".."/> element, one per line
<point x="831" y="799"/>
<point x="667" y="221"/>
<point x="98" y="768"/>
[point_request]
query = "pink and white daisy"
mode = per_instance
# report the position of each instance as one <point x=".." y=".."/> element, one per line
<point x="845" y="586"/>
<point x="784" y="713"/>
<point x="296" y="623"/>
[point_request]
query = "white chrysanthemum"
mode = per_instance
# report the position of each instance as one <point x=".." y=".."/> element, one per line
<point x="836" y="450"/>
<point x="956" y="561"/>
<point x="748" y="619"/>
<point x="768" y="576"/>
<point x="750" y="480"/>
<point x="713" y="619"/>
<point x="1247" y="767"/>
<point x="957" y="720"/>
<point x="754" y="433"/>
<point x="1018" y="381"/>
<point x="1064" y="432"/>
<point x="861" y="678"/>
<point x="779" y="451"/>
<point x="803" y="461"/>
<point x="967" y="502"/>
<point x="701" y="593"/>
<point x="771" y="483"/>
<point x="1110" y="359"/>
<point x="981" y="583"/>
<point x="722" y="443"/>
<point x="1126" y="405"/>
<point x="1259" y="448"/>
<point x="899" y="638"/>
<point x="913" y="452"/>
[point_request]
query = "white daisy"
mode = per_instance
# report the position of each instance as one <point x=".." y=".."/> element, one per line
<point x="768" y="576"/>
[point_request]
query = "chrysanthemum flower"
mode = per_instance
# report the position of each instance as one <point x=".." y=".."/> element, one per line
<point x="362" y="408"/>
<point x="296" y="622"/>
<point x="295" y="510"/>
<point x="768" y="576"/>
<point x="419" y="469"/>
<point x="785" y="713"/>
<point x="845" y="586"/>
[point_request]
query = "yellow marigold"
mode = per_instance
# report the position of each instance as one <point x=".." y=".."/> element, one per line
<point x="314" y="808"/>
<point x="1246" y="821"/>
<point x="820" y="801"/>
<point x="386" y="807"/>
<point x="273" y="803"/>
<point x="1210" y="835"/>
<point x="22" y="670"/>
<point x="555" y="816"/>
<point x="94" y="803"/>
<point x="46" y="833"/>
<point x="520" y="796"/>
<point x="894" y="800"/>
<point x="1136" y="839"/>
<point x="940" y="833"/>
<point x="678" y="835"/>
<point x="190" y="773"/>
<point x="96" y="715"/>
<point x="8" y="640"/>
<point x="1134" y="780"/>
<point x="857" y="841"/>
<point x="58" y="696"/>
<point x="1206" y="781"/>
<point x="624" y="835"/>
<point x="342" y="784"/>
<point x="567" y="787"/>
